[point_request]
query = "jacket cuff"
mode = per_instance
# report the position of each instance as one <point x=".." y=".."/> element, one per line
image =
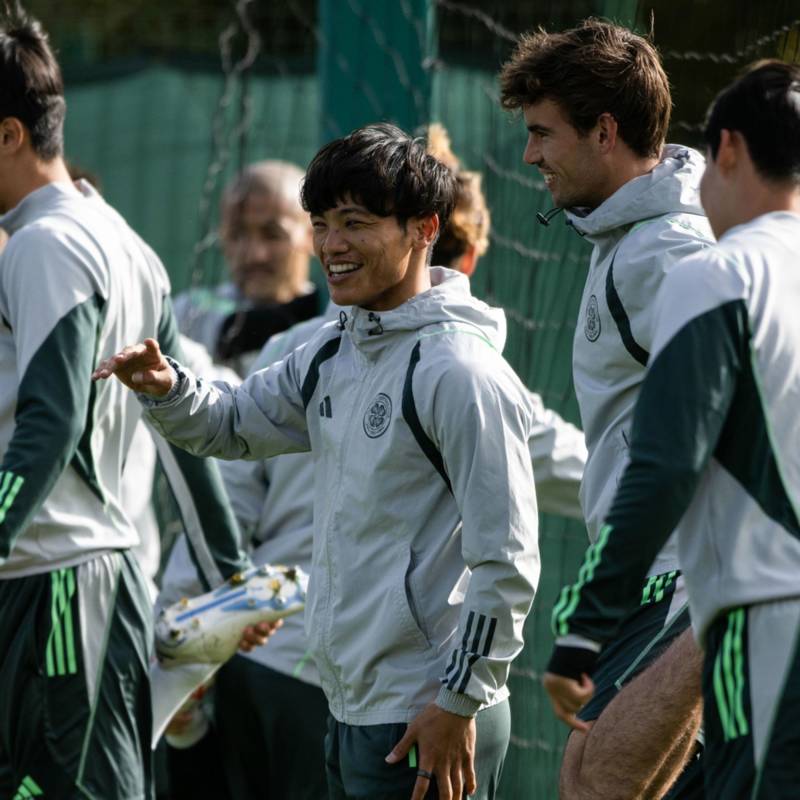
<point x="572" y="662"/>
<point x="457" y="703"/>
<point x="178" y="379"/>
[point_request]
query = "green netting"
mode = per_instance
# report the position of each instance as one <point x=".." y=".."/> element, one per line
<point x="146" y="135"/>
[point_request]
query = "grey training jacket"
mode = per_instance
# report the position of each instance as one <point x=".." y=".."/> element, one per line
<point x="425" y="556"/>
<point x="273" y="500"/>
<point x="714" y="439"/>
<point x="76" y="284"/>
<point x="638" y="235"/>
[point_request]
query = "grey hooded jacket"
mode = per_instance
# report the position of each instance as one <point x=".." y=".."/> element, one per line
<point x="425" y="557"/>
<point x="638" y="235"/>
<point x="273" y="500"/>
<point x="715" y="441"/>
<point x="76" y="284"/>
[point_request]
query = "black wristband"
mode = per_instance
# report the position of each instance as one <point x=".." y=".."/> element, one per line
<point x="572" y="662"/>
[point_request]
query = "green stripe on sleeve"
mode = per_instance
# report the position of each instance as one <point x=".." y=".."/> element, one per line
<point x="7" y="476"/>
<point x="648" y="588"/>
<point x="570" y="595"/>
<point x="31" y="785"/>
<point x="11" y="496"/>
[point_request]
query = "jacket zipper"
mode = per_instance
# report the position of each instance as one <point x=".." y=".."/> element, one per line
<point x="341" y="460"/>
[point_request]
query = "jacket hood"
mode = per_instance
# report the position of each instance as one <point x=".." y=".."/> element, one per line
<point x="673" y="186"/>
<point x="449" y="300"/>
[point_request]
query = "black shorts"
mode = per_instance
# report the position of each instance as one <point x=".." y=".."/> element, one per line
<point x="75" y="719"/>
<point x="271" y="728"/>
<point x="751" y="695"/>
<point x="662" y="616"/>
<point x="646" y="633"/>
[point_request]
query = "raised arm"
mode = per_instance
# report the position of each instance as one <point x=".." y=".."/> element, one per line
<point x="263" y="417"/>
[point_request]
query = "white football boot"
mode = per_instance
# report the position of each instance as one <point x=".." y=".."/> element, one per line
<point x="207" y="629"/>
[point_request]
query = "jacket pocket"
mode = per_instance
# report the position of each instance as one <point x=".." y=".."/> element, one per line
<point x="623" y="454"/>
<point x="412" y="604"/>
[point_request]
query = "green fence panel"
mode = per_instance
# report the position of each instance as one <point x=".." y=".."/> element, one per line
<point x="374" y="63"/>
<point x="147" y="135"/>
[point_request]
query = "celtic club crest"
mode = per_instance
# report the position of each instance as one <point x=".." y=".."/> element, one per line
<point x="378" y="416"/>
<point x="592" y="325"/>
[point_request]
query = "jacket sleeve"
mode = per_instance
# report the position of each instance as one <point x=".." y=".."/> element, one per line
<point x="54" y="309"/>
<point x="558" y="455"/>
<point x="263" y="417"/>
<point x="212" y="534"/>
<point x="481" y="424"/>
<point x="680" y="413"/>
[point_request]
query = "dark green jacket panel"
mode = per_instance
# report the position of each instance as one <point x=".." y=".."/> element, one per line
<point x="678" y="424"/>
<point x="53" y="420"/>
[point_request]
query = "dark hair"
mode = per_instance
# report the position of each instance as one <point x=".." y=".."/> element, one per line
<point x="590" y="70"/>
<point x="763" y="104"/>
<point x="31" y="87"/>
<point x="384" y="169"/>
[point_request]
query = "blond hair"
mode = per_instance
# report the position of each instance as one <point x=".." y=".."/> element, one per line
<point x="470" y="221"/>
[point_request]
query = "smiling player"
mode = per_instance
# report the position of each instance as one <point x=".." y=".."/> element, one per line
<point x="422" y="472"/>
<point x="596" y="105"/>
<point x="715" y="440"/>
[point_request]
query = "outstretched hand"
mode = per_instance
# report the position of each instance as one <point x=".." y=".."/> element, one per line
<point x="141" y="367"/>
<point x="446" y="746"/>
<point x="568" y="696"/>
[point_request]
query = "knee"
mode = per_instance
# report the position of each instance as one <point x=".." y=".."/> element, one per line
<point x="581" y="778"/>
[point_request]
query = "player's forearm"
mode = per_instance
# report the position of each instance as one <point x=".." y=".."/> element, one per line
<point x="259" y="419"/>
<point x="489" y="636"/>
<point x="588" y="612"/>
